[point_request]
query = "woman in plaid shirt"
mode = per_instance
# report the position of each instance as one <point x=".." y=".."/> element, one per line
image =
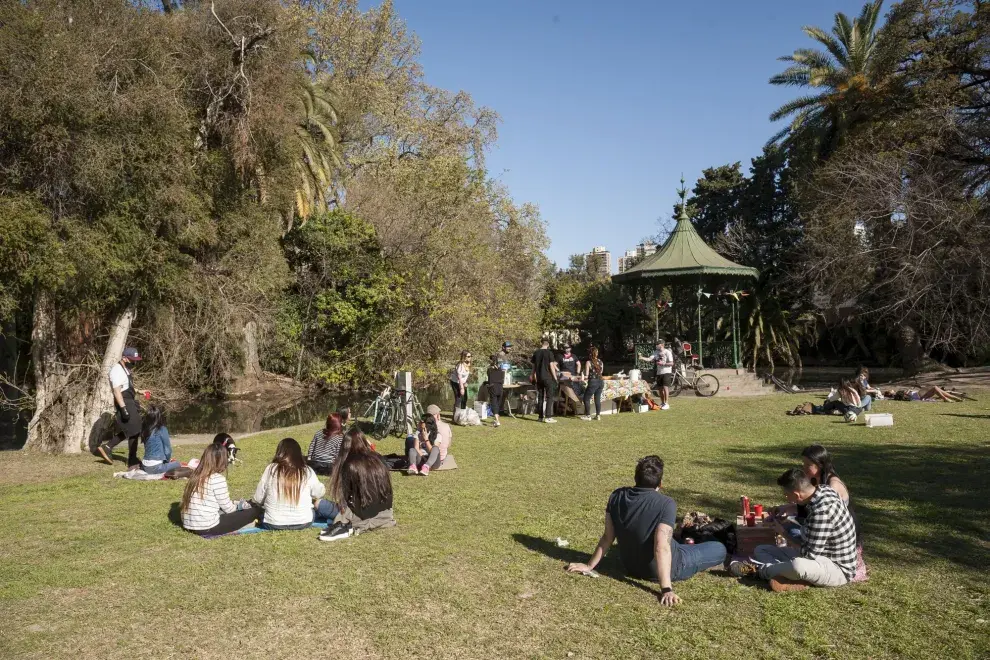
<point x="827" y="555"/>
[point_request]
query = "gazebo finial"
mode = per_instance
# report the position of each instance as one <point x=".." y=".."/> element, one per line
<point x="683" y="192"/>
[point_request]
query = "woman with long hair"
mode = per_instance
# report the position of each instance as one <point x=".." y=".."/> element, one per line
<point x="157" y="445"/>
<point x="325" y="446"/>
<point x="362" y="488"/>
<point x="593" y="370"/>
<point x="818" y="466"/>
<point x="206" y="507"/>
<point x="288" y="490"/>
<point x="458" y="380"/>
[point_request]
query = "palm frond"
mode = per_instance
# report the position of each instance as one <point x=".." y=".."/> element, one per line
<point x="796" y="105"/>
<point x="832" y="44"/>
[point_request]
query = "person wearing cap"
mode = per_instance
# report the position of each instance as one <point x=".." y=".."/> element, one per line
<point x="128" y="414"/>
<point x="664" y="359"/>
<point x="428" y="451"/>
<point x="569" y="368"/>
<point x="504" y="356"/>
<point x="544" y="376"/>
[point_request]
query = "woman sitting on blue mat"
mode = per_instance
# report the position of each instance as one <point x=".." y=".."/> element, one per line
<point x="206" y="507"/>
<point x="289" y="489"/>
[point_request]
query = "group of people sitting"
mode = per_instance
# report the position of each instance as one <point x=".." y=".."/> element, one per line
<point x="853" y="396"/>
<point x="816" y="530"/>
<point x="290" y="495"/>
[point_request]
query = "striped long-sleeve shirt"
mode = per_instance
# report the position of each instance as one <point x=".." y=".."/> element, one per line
<point x="829" y="531"/>
<point x="204" y="508"/>
<point x="324" y="448"/>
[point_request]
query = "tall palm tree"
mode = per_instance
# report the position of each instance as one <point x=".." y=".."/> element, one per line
<point x="846" y="76"/>
<point x="317" y="148"/>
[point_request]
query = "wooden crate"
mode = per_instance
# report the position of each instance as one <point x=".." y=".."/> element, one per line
<point x="748" y="538"/>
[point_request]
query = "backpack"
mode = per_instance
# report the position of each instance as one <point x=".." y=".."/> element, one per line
<point x="717" y="530"/>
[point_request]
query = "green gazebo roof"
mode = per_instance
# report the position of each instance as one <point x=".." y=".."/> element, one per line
<point x="684" y="255"/>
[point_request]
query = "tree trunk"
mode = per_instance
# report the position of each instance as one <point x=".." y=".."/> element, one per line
<point x="72" y="402"/>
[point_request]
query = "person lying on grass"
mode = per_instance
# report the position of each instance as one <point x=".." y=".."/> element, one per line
<point x="642" y="519"/>
<point x="934" y="393"/>
<point x="427" y="450"/>
<point x="289" y="489"/>
<point x="362" y="486"/>
<point x="826" y="557"/>
<point x="206" y="507"/>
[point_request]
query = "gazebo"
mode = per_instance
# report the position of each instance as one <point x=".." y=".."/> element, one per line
<point x="686" y="260"/>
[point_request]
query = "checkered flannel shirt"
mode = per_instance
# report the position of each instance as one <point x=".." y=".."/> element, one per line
<point x="829" y="531"/>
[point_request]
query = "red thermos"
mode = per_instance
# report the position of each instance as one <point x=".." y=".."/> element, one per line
<point x="745" y="505"/>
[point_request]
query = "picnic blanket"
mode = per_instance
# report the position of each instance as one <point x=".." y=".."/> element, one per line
<point x="399" y="463"/>
<point x="254" y="529"/>
<point x="139" y="475"/>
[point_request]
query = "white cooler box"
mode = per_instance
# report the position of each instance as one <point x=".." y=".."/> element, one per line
<point x="879" y="419"/>
<point x="481" y="407"/>
<point x="609" y="407"/>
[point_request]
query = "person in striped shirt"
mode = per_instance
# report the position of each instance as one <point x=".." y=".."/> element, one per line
<point x="289" y="491"/>
<point x="826" y="557"/>
<point x="325" y="446"/>
<point x="206" y="507"/>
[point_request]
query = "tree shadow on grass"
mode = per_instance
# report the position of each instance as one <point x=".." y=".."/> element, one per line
<point x="930" y="498"/>
<point x="609" y="565"/>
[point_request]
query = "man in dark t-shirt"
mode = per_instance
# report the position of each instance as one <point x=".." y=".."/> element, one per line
<point x="545" y="372"/>
<point x="642" y="520"/>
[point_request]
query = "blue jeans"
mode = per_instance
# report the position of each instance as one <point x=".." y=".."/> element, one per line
<point x="161" y="468"/>
<point x="696" y="558"/>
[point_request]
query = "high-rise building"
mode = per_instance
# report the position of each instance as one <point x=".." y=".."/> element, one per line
<point x="627" y="260"/>
<point x="633" y="257"/>
<point x="599" y="261"/>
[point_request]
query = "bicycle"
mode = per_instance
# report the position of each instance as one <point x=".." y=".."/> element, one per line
<point x="705" y="385"/>
<point x="388" y="412"/>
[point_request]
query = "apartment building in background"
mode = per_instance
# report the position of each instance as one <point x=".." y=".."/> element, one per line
<point x="634" y="256"/>
<point x="599" y="261"/>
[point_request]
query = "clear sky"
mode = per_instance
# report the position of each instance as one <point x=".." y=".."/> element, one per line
<point x="603" y="105"/>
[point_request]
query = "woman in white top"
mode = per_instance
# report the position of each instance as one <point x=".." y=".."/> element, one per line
<point x="289" y="489"/>
<point x="206" y="507"/>
<point x="458" y="380"/>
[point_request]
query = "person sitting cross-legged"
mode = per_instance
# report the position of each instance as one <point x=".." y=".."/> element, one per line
<point x="642" y="519"/>
<point x="826" y="557"/>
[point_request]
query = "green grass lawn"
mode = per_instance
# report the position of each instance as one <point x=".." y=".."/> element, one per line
<point x="94" y="567"/>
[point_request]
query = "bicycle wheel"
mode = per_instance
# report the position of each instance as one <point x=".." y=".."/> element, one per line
<point x="706" y="385"/>
<point x="676" y="386"/>
<point x="383" y="422"/>
<point x="366" y="409"/>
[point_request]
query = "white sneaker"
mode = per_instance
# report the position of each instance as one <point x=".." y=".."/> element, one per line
<point x="585" y="418"/>
<point x="496" y="425"/>
<point x="665" y="406"/>
<point x="550" y="420"/>
<point x="597" y="418"/>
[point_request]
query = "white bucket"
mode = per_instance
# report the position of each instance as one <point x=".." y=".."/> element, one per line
<point x="879" y="419"/>
<point x="481" y="408"/>
<point x="634" y="375"/>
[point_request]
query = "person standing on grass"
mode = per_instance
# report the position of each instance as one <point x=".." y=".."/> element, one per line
<point x="458" y="380"/>
<point x="428" y="449"/>
<point x="128" y="413"/>
<point x="157" y="444"/>
<point x="206" y="507"/>
<point x="544" y="376"/>
<point x="569" y="368"/>
<point x="664" y="360"/>
<point x="325" y="446"/>
<point x="505" y="356"/>
<point x="594" y="384"/>
<point x="289" y="489"/>
<point x="642" y="520"/>
<point x="362" y="486"/>
<point x="496" y="381"/>
<point x="826" y="557"/>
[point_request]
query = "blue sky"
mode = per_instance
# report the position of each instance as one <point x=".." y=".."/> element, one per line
<point x="603" y="105"/>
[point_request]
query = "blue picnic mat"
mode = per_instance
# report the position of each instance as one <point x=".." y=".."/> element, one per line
<point x="254" y="529"/>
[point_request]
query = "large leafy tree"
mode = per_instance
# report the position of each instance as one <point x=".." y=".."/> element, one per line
<point x="847" y="77"/>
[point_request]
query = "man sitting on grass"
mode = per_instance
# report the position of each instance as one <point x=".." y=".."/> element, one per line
<point x="643" y="519"/>
<point x="827" y="555"/>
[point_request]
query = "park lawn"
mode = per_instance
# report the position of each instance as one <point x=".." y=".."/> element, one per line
<point x="94" y="567"/>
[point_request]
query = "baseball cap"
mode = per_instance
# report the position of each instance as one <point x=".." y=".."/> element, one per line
<point x="132" y="354"/>
<point x="433" y="409"/>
